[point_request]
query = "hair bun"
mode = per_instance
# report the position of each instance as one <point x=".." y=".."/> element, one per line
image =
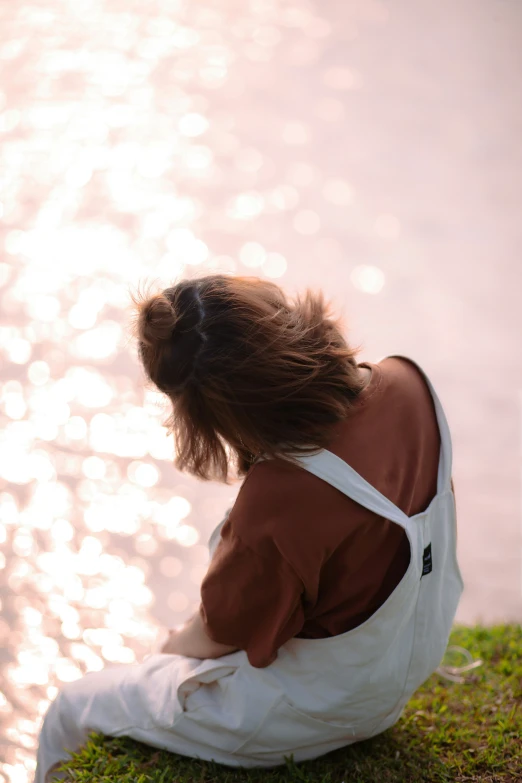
<point x="157" y="320"/>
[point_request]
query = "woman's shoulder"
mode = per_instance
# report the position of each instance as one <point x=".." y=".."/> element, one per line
<point x="280" y="501"/>
<point x="271" y="480"/>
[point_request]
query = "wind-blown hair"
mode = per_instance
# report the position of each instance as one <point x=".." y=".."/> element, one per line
<point x="248" y="372"/>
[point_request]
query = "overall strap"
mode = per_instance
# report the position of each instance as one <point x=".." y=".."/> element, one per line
<point x="339" y="474"/>
<point x="332" y="469"/>
<point x="445" y="461"/>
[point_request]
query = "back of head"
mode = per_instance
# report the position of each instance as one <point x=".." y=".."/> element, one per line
<point x="247" y="371"/>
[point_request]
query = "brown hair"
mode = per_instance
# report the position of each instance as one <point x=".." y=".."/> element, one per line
<point x="247" y="372"/>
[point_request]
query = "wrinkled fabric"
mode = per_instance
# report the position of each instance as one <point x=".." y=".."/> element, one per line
<point x="318" y="694"/>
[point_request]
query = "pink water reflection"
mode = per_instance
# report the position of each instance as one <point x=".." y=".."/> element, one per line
<point x="371" y="150"/>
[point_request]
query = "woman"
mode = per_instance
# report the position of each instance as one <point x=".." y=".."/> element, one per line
<point x="333" y="582"/>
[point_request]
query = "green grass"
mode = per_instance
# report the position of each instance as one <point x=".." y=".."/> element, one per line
<point x="448" y="732"/>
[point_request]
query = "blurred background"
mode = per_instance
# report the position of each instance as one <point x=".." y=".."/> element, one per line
<point x="370" y="148"/>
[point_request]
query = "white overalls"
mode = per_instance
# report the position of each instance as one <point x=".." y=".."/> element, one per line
<point x="319" y="694"/>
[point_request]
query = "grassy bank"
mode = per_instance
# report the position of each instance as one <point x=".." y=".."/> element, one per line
<point x="449" y="732"/>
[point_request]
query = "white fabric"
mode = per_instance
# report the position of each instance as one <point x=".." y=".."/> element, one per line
<point x="318" y="695"/>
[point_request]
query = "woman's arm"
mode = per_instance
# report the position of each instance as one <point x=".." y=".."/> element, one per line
<point x="193" y="641"/>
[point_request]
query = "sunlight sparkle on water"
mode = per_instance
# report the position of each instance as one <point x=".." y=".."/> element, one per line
<point x="122" y="161"/>
<point x="369" y="279"/>
<point x="252" y="254"/>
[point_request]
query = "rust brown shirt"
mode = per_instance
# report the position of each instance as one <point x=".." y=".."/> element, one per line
<point x="297" y="557"/>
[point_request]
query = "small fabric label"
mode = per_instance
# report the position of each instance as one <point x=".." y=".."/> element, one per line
<point x="427" y="565"/>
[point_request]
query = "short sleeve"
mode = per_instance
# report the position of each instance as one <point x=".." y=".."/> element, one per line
<point x="251" y="601"/>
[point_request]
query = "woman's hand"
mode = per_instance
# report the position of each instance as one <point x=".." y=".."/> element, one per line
<point x="193" y="641"/>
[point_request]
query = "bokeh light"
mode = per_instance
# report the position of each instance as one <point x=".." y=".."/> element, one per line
<point x="294" y="141"/>
<point x="368" y="278"/>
